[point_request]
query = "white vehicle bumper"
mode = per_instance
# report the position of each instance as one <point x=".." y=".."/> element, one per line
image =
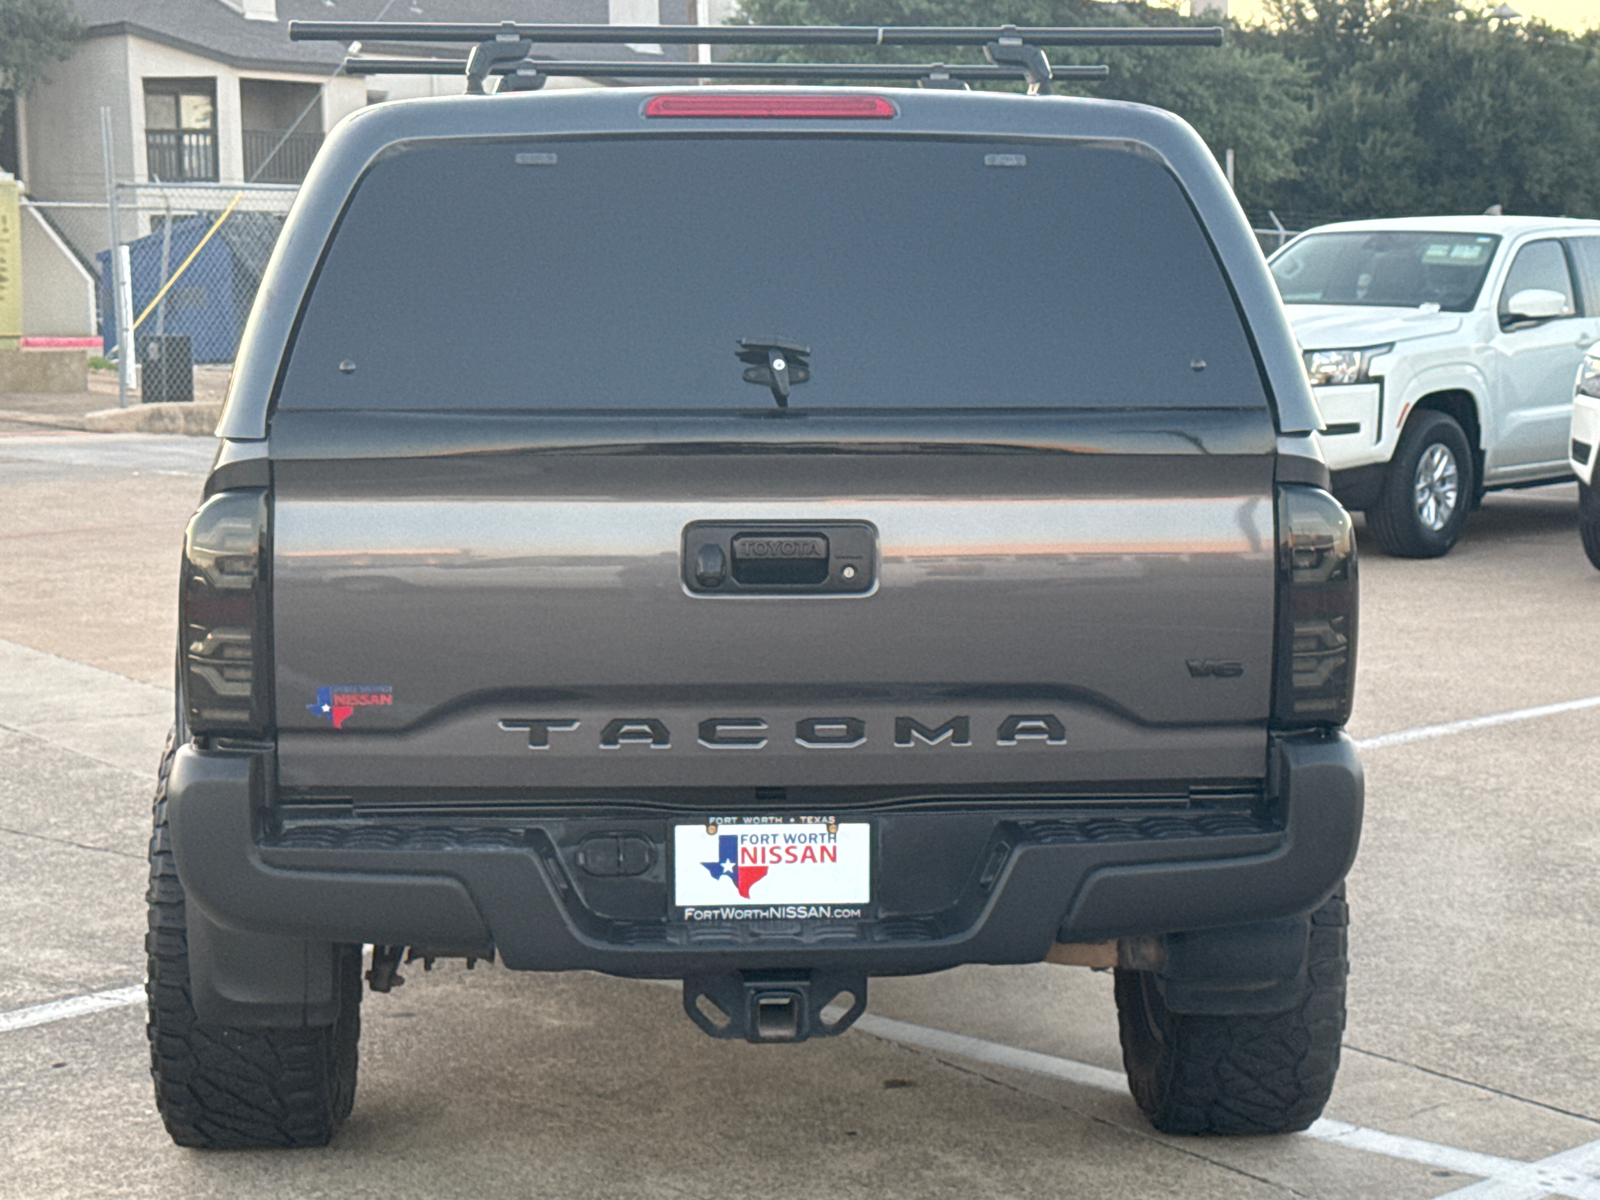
<point x="1585" y="437"/>
<point x="1352" y="416"/>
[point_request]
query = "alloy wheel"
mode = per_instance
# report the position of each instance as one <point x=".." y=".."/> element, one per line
<point x="1437" y="487"/>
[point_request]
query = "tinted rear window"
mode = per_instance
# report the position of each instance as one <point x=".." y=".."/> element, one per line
<point x="621" y="273"/>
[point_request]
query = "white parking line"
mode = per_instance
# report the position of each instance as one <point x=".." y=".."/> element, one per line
<point x="1424" y="732"/>
<point x="1574" y="1173"/>
<point x="1570" y="1173"/>
<point x="1428" y="1154"/>
<point x="999" y="1055"/>
<point x="72" y="1006"/>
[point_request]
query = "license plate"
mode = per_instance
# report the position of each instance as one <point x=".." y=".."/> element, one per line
<point x="782" y="869"/>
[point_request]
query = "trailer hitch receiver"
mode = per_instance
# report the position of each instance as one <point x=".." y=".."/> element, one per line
<point x="775" y="1006"/>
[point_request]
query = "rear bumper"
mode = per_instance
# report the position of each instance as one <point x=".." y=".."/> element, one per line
<point x="990" y="887"/>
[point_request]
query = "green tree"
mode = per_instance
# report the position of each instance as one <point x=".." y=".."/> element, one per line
<point x="1247" y="97"/>
<point x="1328" y="36"/>
<point x="1256" y="104"/>
<point x="1432" y="106"/>
<point x="33" y="34"/>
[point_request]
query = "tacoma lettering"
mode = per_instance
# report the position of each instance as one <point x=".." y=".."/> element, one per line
<point x="908" y="730"/>
<point x="814" y="733"/>
<point x="830" y="731"/>
<point x="635" y="731"/>
<point x="1039" y="727"/>
<point x="714" y="732"/>
<point x="538" y="728"/>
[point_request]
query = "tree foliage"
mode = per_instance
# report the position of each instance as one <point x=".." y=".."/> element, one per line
<point x="1335" y="107"/>
<point x="1431" y="106"/>
<point x="33" y="34"/>
<point x="1205" y="87"/>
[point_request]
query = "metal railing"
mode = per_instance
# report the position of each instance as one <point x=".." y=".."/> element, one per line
<point x="288" y="165"/>
<point x="181" y="155"/>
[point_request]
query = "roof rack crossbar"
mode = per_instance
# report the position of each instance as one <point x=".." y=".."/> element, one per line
<point x="756" y="35"/>
<point x="530" y="69"/>
<point x="505" y="49"/>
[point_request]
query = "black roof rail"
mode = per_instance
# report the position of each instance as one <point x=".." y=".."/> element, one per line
<point x="530" y="73"/>
<point x="505" y="49"/>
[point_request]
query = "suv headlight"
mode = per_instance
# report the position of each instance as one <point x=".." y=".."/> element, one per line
<point x="1343" y="366"/>
<point x="1589" y="376"/>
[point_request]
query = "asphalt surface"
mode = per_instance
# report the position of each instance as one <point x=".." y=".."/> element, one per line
<point x="1472" y="1060"/>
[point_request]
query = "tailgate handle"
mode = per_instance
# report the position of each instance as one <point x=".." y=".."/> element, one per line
<point x="795" y="559"/>
<point x="729" y="558"/>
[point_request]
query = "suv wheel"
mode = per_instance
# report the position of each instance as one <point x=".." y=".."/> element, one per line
<point x="220" y="1087"/>
<point x="1245" y="1073"/>
<point x="1589" y="531"/>
<point x="1427" y="490"/>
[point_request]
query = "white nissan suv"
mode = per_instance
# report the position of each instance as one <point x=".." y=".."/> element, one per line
<point x="1442" y="352"/>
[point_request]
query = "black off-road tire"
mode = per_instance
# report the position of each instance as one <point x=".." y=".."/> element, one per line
<point x="1396" y="521"/>
<point x="1248" y="1073"/>
<point x="219" y="1087"/>
<point x="1589" y="531"/>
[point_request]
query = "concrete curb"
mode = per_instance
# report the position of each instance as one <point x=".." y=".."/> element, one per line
<point x="198" y="419"/>
<point x="46" y="422"/>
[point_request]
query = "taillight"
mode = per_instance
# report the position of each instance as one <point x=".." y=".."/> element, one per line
<point x="1315" y="675"/>
<point x="222" y="614"/>
<point x="844" y="107"/>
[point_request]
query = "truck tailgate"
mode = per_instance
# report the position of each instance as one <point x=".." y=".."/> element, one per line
<point x="1070" y="598"/>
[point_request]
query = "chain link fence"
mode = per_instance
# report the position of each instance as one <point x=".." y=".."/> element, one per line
<point x="1275" y="229"/>
<point x="196" y="252"/>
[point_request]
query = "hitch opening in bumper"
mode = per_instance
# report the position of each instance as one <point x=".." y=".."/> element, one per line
<point x="775" y="1006"/>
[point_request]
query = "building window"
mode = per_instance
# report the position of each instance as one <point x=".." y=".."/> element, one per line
<point x="180" y="129"/>
<point x="282" y="129"/>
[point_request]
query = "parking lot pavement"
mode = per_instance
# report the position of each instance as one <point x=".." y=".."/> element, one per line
<point x="1498" y="624"/>
<point x="90" y="531"/>
<point x="1472" y="1062"/>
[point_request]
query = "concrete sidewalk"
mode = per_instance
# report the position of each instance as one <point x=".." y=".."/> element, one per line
<point x="96" y="409"/>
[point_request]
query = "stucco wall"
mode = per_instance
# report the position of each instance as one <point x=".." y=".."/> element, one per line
<point x="341" y="97"/>
<point x="62" y="123"/>
<point x="57" y="293"/>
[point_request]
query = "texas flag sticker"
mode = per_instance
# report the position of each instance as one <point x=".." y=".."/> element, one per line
<point x="335" y="705"/>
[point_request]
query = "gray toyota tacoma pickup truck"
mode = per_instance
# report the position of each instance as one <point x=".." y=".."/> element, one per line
<point x="764" y="538"/>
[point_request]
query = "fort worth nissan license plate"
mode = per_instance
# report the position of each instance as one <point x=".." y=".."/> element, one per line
<point x="760" y="869"/>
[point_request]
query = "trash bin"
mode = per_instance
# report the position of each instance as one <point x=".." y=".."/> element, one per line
<point x="166" y="369"/>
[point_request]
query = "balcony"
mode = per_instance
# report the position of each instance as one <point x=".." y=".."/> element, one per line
<point x="181" y="155"/>
<point x="289" y="164"/>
